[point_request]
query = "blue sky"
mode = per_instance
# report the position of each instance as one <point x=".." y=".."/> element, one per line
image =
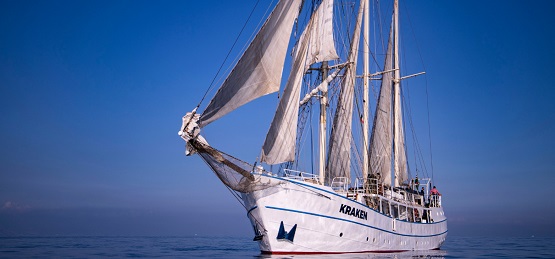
<point x="92" y="94"/>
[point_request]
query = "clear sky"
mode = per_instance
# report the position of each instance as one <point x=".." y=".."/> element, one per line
<point x="92" y="94"/>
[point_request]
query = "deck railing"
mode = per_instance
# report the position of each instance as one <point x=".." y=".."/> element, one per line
<point x="301" y="176"/>
<point x="435" y="200"/>
<point x="340" y="184"/>
<point x="402" y="201"/>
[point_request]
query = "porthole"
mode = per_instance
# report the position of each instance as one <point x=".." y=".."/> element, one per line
<point x="366" y="239"/>
<point x="341" y="234"/>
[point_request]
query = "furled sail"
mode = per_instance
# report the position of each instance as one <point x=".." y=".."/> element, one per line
<point x="339" y="155"/>
<point x="382" y="138"/>
<point x="401" y="173"/>
<point x="234" y="173"/>
<point x="315" y="45"/>
<point x="258" y="71"/>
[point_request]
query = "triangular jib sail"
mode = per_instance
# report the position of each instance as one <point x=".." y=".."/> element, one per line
<point x="258" y="71"/>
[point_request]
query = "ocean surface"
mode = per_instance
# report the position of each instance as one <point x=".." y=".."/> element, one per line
<point x="243" y="247"/>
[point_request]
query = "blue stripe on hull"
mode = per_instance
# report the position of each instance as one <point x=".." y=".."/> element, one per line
<point x="350" y="221"/>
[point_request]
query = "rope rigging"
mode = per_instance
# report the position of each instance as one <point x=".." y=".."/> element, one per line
<point x="228" y="53"/>
<point x="426" y="85"/>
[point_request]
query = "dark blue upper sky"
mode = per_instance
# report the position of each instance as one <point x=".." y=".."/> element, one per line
<point x="92" y="94"/>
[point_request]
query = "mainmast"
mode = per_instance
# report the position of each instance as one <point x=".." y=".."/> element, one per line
<point x="396" y="91"/>
<point x="398" y="134"/>
<point x="365" y="102"/>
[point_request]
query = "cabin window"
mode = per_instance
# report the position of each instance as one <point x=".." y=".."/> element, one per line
<point x="385" y="207"/>
<point x="402" y="212"/>
<point x="410" y="214"/>
<point x="395" y="211"/>
<point x="372" y="202"/>
<point x="426" y="216"/>
<point x="417" y="215"/>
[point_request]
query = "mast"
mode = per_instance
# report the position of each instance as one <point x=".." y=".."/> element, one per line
<point x="366" y="104"/>
<point x="338" y="162"/>
<point x="322" y="128"/>
<point x="397" y="97"/>
<point x="315" y="45"/>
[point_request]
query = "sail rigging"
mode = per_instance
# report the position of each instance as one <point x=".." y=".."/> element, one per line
<point x="388" y="122"/>
<point x="315" y="45"/>
<point x="258" y="71"/>
<point x="381" y="138"/>
<point x="339" y="155"/>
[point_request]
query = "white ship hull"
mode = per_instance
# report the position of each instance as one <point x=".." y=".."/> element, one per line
<point x="325" y="225"/>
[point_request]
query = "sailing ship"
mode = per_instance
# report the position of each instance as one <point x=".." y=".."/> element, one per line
<point x="362" y="199"/>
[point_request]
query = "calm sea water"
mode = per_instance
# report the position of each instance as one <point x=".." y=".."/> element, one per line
<point x="228" y="247"/>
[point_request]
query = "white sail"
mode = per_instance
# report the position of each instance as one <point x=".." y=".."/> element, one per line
<point x="279" y="145"/>
<point x="321" y="46"/>
<point x="259" y="70"/>
<point x="315" y="45"/>
<point x="382" y="138"/>
<point x="339" y="155"/>
<point x="401" y="172"/>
